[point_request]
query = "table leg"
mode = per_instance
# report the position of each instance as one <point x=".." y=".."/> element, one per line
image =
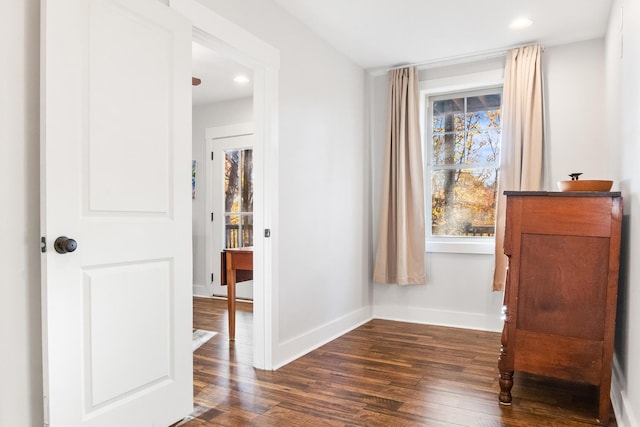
<point x="231" y="296"/>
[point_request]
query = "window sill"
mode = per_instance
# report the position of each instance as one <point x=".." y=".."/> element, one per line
<point x="462" y="245"/>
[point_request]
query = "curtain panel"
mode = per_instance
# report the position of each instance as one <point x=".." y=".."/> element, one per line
<point x="522" y="139"/>
<point x="400" y="253"/>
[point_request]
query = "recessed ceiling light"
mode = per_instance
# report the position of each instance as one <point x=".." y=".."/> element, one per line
<point x="520" y="23"/>
<point x="241" y="79"/>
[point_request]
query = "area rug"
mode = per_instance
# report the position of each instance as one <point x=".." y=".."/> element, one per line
<point x="200" y="337"/>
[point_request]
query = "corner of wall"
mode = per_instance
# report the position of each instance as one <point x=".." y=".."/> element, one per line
<point x="300" y="345"/>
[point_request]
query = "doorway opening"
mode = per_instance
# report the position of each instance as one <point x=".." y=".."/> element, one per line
<point x="222" y="120"/>
<point x="233" y="42"/>
<point x="223" y="214"/>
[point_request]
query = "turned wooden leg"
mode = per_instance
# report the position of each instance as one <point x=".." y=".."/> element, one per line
<point x="505" y="361"/>
<point x="506" y="382"/>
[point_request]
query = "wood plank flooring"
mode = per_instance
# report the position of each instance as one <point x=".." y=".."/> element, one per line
<point x="384" y="373"/>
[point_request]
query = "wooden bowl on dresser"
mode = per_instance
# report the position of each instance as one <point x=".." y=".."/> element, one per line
<point x="585" y="185"/>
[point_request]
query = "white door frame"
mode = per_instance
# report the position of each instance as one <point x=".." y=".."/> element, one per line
<point x="224" y="37"/>
<point x="214" y="136"/>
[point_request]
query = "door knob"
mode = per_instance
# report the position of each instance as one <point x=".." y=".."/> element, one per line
<point x="64" y="244"/>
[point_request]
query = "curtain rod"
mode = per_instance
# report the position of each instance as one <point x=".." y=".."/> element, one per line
<point x="452" y="60"/>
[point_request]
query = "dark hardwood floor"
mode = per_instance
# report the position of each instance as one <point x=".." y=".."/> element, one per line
<point x="383" y="373"/>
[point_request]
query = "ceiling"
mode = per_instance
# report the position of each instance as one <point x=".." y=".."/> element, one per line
<point x="217" y="74"/>
<point x="385" y="33"/>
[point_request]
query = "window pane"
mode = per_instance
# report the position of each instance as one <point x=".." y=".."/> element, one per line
<point x="448" y="130"/>
<point x="481" y="147"/>
<point x="463" y="202"/>
<point x="484" y="102"/>
<point x="483" y="124"/>
<point x="448" y="148"/>
<point x="448" y="106"/>
<point x="232" y="231"/>
<point x="247" y="230"/>
<point x="247" y="180"/>
<point x="231" y="181"/>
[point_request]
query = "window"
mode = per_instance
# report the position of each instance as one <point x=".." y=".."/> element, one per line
<point x="462" y="162"/>
<point x="238" y="198"/>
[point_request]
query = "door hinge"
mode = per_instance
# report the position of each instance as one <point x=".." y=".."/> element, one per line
<point x="211" y="216"/>
<point x="43" y="244"/>
<point x="212" y="155"/>
<point x="211" y="277"/>
<point x="267" y="232"/>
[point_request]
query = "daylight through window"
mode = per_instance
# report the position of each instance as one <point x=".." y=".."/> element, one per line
<point x="238" y="198"/>
<point x="463" y="157"/>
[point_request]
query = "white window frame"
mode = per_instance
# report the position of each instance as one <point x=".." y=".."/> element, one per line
<point x="438" y="87"/>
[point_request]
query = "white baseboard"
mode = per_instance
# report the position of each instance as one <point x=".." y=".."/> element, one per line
<point x="297" y="347"/>
<point x="622" y="408"/>
<point x="200" y="290"/>
<point x="453" y="319"/>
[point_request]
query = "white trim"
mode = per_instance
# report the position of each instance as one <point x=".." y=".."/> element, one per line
<point x="227" y="131"/>
<point x="228" y="39"/>
<point x="462" y="245"/>
<point x="199" y="290"/>
<point x="300" y="345"/>
<point x="622" y="408"/>
<point x="429" y="316"/>
<point x="317" y="337"/>
<point x="462" y="83"/>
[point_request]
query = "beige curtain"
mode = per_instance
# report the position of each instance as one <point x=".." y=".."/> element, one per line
<point x="522" y="138"/>
<point x="400" y="254"/>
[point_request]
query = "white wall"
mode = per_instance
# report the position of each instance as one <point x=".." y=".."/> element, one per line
<point x="20" y="330"/>
<point x="574" y="102"/>
<point x="207" y="116"/>
<point x="623" y="107"/>
<point x="458" y="290"/>
<point x="323" y="285"/>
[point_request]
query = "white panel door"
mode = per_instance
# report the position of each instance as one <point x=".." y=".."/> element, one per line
<point x="115" y="176"/>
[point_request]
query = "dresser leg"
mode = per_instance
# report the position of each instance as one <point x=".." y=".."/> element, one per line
<point x="505" y="360"/>
<point x="506" y="382"/>
<point x="604" y="407"/>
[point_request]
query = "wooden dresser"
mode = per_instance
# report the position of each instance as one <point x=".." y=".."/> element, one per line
<point x="561" y="290"/>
